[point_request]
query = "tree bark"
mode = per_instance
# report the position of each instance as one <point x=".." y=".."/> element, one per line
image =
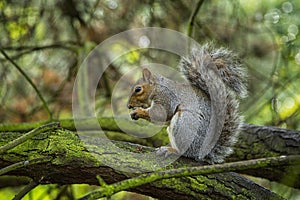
<point x="264" y="141"/>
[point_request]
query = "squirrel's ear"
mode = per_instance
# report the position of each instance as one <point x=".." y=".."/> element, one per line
<point x="147" y="76"/>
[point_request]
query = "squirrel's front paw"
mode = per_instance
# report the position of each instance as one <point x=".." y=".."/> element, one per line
<point x="139" y="113"/>
<point x="165" y="151"/>
<point x="134" y="115"/>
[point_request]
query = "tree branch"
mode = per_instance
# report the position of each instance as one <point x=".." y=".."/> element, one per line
<point x="265" y="141"/>
<point x="193" y="16"/>
<point x="77" y="160"/>
<point x="25" y="163"/>
<point x="29" y="135"/>
<point x="27" y="189"/>
<point x="109" y="190"/>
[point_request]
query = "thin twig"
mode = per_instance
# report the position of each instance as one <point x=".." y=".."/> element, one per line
<point x="101" y="181"/>
<point x="28" y="135"/>
<point x="30" y="82"/>
<point x="62" y="45"/>
<point x="108" y="190"/>
<point x="24" y="164"/>
<point x="62" y="192"/>
<point x="193" y="16"/>
<point x="27" y="49"/>
<point x="27" y="189"/>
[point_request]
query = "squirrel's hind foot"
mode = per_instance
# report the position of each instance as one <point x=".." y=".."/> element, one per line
<point x="166" y="151"/>
<point x="218" y="155"/>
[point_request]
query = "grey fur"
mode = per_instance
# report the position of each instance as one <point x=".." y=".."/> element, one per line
<point x="203" y="115"/>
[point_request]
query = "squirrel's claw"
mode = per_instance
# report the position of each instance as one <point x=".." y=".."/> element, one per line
<point x="134" y="115"/>
<point x="165" y="151"/>
<point x="140" y="113"/>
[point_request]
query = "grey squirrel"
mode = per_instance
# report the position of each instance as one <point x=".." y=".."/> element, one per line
<point x="203" y="115"/>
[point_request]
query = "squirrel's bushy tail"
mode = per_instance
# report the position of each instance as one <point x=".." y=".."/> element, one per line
<point x="219" y="73"/>
<point x="229" y="67"/>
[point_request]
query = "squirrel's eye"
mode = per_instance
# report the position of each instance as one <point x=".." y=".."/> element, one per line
<point x="137" y="89"/>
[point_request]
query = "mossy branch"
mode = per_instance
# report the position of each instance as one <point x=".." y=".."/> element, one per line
<point x="108" y="190"/>
<point x="29" y="135"/>
<point x="72" y="156"/>
<point x="25" y="163"/>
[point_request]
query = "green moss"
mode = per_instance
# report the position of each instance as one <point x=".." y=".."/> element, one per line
<point x="195" y="183"/>
<point x="69" y="147"/>
<point x="258" y="148"/>
<point x="34" y="146"/>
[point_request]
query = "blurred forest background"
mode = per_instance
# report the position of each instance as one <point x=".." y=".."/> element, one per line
<point x="49" y="40"/>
